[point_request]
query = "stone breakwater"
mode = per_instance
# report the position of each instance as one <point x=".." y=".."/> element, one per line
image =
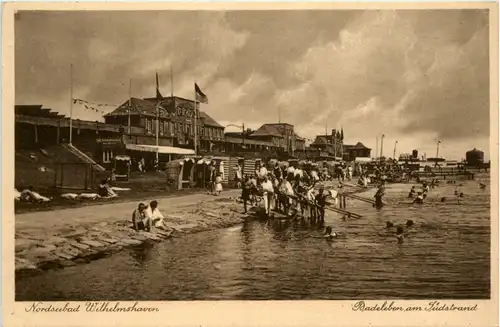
<point x="39" y="249"/>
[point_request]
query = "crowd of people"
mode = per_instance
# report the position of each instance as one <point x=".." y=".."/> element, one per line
<point x="292" y="190"/>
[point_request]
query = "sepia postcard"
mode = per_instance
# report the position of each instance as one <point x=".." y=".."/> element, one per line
<point x="250" y="164"/>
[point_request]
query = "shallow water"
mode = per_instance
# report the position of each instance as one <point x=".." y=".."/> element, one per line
<point x="445" y="255"/>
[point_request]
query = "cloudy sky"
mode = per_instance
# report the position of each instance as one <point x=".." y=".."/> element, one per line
<point x="415" y="76"/>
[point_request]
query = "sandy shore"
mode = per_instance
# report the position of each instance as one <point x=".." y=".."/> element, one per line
<point x="67" y="237"/>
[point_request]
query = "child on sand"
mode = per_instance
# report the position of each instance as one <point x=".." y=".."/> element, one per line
<point x="218" y="184"/>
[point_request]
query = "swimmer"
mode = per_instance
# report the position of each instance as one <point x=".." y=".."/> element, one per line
<point x="482" y="186"/>
<point x="419" y="199"/>
<point x="330" y="234"/>
<point x="399" y="235"/>
<point x="461" y="195"/>
<point x="409" y="223"/>
<point x="389" y="225"/>
<point x="443" y="199"/>
<point x="412" y="192"/>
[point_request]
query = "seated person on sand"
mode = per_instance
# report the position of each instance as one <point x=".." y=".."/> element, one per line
<point x="105" y="191"/>
<point x="139" y="219"/>
<point x="153" y="213"/>
<point x="31" y="196"/>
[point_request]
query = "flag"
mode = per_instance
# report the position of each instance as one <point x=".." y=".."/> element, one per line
<point x="200" y="96"/>
<point x="158" y="94"/>
<point x="342" y="134"/>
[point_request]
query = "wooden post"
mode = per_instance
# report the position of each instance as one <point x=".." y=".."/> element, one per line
<point x="344" y="201"/>
<point x="58" y="131"/>
<point x="55" y="178"/>
<point x="62" y="174"/>
<point x="86" y="173"/>
<point x="36" y="133"/>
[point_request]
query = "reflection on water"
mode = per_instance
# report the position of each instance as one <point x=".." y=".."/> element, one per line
<point x="446" y="254"/>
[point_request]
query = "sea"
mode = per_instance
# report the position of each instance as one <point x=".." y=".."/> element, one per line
<point x="445" y="255"/>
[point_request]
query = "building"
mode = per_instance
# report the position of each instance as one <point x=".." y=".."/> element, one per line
<point x="351" y="152"/>
<point x="271" y="139"/>
<point x="331" y="144"/>
<point x="175" y="123"/>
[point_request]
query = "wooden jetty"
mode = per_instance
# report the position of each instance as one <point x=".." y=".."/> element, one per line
<point x="360" y="198"/>
<point x="445" y="172"/>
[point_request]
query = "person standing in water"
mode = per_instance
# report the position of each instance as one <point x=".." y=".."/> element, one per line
<point x="245" y="192"/>
<point x="321" y="204"/>
<point x="378" y="198"/>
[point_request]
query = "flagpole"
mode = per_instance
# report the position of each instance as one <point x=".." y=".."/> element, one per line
<point x="335" y="145"/>
<point x="129" y="105"/>
<point x="71" y="104"/>
<point x="157" y="119"/>
<point x="195" y="123"/>
<point x="171" y="81"/>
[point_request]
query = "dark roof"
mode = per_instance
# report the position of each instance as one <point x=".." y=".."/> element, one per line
<point x="138" y="107"/>
<point x="322" y="139"/>
<point x="147" y="107"/>
<point x="272" y="129"/>
<point x="267" y="130"/>
<point x="36" y="111"/>
<point x="209" y="121"/>
<point x="358" y="146"/>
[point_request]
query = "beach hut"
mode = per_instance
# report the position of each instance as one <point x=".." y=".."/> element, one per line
<point x="121" y="166"/>
<point x="181" y="172"/>
<point x="202" y="171"/>
<point x="249" y="166"/>
<point x="222" y="166"/>
<point x="232" y="166"/>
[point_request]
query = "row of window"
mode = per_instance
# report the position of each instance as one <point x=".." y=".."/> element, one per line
<point x="170" y="128"/>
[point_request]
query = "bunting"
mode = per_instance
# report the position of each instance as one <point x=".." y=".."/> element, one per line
<point x="93" y="106"/>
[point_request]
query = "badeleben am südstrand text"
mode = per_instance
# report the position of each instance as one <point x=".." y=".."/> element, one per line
<point x="392" y="306"/>
<point x="94" y="306"/>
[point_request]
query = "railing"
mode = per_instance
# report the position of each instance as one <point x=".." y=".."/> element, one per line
<point x="85" y="158"/>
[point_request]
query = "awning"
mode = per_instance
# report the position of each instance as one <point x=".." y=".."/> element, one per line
<point x="159" y="149"/>
<point x="206" y="161"/>
<point x="121" y="157"/>
<point x="363" y="159"/>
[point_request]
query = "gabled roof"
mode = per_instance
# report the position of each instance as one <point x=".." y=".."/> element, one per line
<point x="138" y="106"/>
<point x="268" y="130"/>
<point x="358" y="146"/>
<point x="147" y="107"/>
<point x="321" y="139"/>
<point x="209" y="121"/>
